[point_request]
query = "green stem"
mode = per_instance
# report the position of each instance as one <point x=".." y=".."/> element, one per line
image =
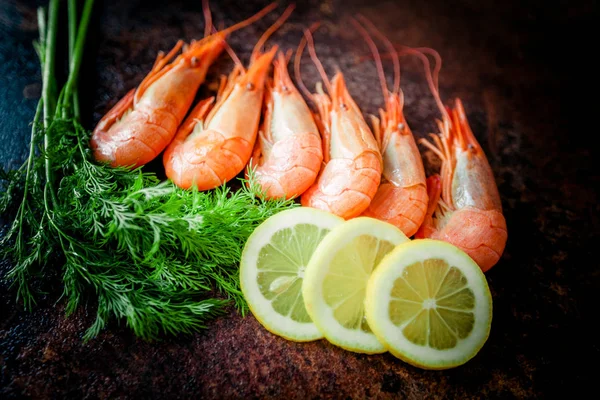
<point x="48" y="66"/>
<point x="20" y="218"/>
<point x="35" y="131"/>
<point x="32" y="142"/>
<point x="47" y="78"/>
<point x="41" y="16"/>
<point x="72" y="35"/>
<point x="75" y="63"/>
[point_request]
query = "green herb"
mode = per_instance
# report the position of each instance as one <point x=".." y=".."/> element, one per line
<point x="149" y="253"/>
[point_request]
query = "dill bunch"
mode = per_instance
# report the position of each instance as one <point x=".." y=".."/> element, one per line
<point x="145" y="251"/>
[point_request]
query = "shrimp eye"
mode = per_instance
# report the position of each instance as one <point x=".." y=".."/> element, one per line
<point x="194" y="61"/>
<point x="344" y="106"/>
<point x="250" y="86"/>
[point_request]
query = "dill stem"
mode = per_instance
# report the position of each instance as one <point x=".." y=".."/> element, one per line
<point x="75" y="62"/>
<point x="41" y="19"/>
<point x="72" y="34"/>
<point x="32" y="141"/>
<point x="47" y="78"/>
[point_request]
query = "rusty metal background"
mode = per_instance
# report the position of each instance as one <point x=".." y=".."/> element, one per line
<point x="518" y="67"/>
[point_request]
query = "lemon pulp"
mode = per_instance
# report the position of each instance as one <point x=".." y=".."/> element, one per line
<point x="430" y="304"/>
<point x="281" y="265"/>
<point x="433" y="303"/>
<point x="336" y="281"/>
<point x="272" y="269"/>
<point x="345" y="284"/>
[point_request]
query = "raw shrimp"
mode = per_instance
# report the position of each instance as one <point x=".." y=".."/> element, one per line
<point x="464" y="204"/>
<point x="143" y="123"/>
<point x="402" y="196"/>
<point x="289" y="151"/>
<point x="214" y="145"/>
<point x="352" y="171"/>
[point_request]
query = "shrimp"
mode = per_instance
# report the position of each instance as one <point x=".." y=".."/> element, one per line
<point x="143" y="123"/>
<point x="352" y="171"/>
<point x="289" y="151"/>
<point x="214" y="144"/>
<point x="464" y="204"/>
<point x="402" y="196"/>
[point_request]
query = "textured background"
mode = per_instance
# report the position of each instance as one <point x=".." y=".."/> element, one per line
<point x="521" y="69"/>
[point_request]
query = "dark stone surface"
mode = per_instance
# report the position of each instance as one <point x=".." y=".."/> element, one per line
<point x="521" y="69"/>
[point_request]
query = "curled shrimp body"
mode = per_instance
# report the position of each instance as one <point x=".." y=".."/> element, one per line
<point x="143" y="123"/>
<point x="352" y="172"/>
<point x="352" y="161"/>
<point x="401" y="198"/>
<point x="211" y="148"/>
<point x="289" y="152"/>
<point x="214" y="145"/>
<point x="465" y="208"/>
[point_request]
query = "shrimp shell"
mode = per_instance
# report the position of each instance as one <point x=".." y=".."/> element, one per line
<point x="143" y="123"/>
<point x="465" y="207"/>
<point x="402" y="196"/>
<point x="352" y="173"/>
<point x="289" y="152"/>
<point x="212" y="147"/>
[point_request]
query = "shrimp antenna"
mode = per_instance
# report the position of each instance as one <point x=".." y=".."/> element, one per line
<point x="234" y="57"/>
<point x="231" y="53"/>
<point x="207" y="18"/>
<point x="265" y="36"/>
<point x="373" y="47"/>
<point x="315" y="59"/>
<point x="429" y="76"/>
<point x="250" y="20"/>
<point x="438" y="63"/>
<point x="390" y="48"/>
<point x="297" y="59"/>
<point x="288" y="56"/>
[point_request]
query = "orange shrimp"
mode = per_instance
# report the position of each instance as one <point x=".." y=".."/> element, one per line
<point x="143" y="123"/>
<point x="214" y="145"/>
<point x="352" y="171"/>
<point x="402" y="196"/>
<point x="289" y="151"/>
<point x="464" y="204"/>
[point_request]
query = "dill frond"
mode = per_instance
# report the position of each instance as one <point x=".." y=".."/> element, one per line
<point x="142" y="251"/>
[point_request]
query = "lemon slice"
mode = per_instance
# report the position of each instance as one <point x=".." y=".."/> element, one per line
<point x="430" y="304"/>
<point x="272" y="270"/>
<point x="336" y="280"/>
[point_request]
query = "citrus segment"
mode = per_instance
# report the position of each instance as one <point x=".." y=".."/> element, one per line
<point x="272" y="270"/>
<point x="430" y="304"/>
<point x="336" y="279"/>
